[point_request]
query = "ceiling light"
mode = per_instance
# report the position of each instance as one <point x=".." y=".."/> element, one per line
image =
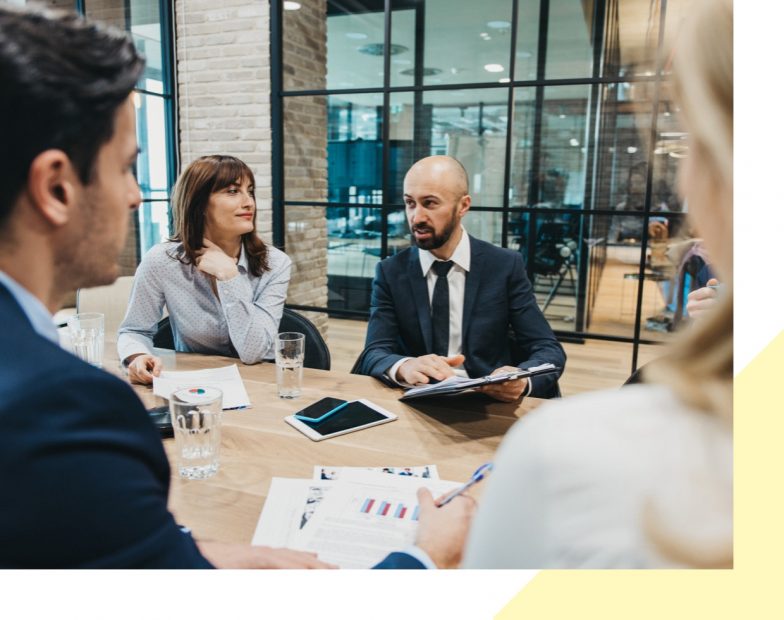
<point x="504" y="80"/>
<point x="574" y="142"/>
<point x="356" y="35"/>
<point x="494" y="68"/>
<point x="562" y="116"/>
<point x="498" y="25"/>
<point x="631" y="150"/>
<point x="291" y="6"/>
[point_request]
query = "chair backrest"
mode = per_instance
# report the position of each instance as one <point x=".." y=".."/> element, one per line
<point x="164" y="337"/>
<point x="316" y="350"/>
<point x="111" y="301"/>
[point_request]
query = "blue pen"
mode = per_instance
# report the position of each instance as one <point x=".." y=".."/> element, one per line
<point x="477" y="476"/>
<point x="322" y="417"/>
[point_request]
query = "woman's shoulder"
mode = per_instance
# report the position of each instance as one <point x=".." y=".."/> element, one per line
<point x="618" y="422"/>
<point x="277" y="258"/>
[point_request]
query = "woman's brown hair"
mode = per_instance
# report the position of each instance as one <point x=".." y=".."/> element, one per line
<point x="190" y="197"/>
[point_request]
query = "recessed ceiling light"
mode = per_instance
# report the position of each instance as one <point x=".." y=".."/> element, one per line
<point x="562" y="116"/>
<point x="631" y="150"/>
<point x="498" y="25"/>
<point x="494" y="68"/>
<point x="504" y="80"/>
<point x="356" y="35"/>
<point x="574" y="142"/>
<point x="291" y="6"/>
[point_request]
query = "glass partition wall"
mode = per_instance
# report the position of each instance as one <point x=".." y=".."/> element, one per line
<point x="559" y="110"/>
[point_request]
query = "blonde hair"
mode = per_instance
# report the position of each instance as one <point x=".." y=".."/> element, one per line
<point x="698" y="368"/>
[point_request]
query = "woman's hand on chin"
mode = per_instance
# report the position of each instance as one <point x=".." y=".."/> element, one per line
<point x="213" y="261"/>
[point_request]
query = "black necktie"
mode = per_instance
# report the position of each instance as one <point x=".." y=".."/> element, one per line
<point x="440" y="307"/>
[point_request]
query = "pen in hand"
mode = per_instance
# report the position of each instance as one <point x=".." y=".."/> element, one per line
<point x="477" y="476"/>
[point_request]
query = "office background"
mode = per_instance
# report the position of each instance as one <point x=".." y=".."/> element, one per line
<point x="560" y="110"/>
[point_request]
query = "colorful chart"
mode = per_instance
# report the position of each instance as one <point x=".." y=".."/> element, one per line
<point x="386" y="509"/>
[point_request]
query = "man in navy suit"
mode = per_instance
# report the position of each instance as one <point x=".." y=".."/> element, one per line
<point x="447" y="306"/>
<point x="83" y="473"/>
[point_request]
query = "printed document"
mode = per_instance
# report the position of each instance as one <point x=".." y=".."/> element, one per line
<point x="227" y="379"/>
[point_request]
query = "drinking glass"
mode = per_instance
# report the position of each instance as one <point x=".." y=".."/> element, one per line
<point x="196" y="414"/>
<point x="289" y="356"/>
<point x="86" y="332"/>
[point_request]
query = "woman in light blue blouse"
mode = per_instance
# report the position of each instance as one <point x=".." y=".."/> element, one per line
<point x="223" y="286"/>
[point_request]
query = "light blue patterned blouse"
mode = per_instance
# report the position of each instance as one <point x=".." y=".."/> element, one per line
<point x="241" y="321"/>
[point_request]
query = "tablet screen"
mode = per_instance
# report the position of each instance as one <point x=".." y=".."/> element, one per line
<point x="351" y="416"/>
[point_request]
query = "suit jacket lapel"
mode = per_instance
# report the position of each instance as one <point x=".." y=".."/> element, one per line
<point x="420" y="297"/>
<point x="471" y="287"/>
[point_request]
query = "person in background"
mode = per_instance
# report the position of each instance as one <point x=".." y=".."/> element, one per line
<point x="449" y="304"/>
<point x="640" y="477"/>
<point x="223" y="286"/>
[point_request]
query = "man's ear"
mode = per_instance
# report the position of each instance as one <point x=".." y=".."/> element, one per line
<point x="465" y="205"/>
<point x="51" y="186"/>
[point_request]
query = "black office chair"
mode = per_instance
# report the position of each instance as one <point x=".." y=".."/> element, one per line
<point x="316" y="351"/>
<point x="164" y="338"/>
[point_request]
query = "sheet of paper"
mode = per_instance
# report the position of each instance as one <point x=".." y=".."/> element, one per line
<point x="291" y="502"/>
<point x="227" y="379"/>
<point x="365" y="516"/>
<point x="323" y="472"/>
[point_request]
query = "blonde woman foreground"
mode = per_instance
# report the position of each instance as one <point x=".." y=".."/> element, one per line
<point x="642" y="476"/>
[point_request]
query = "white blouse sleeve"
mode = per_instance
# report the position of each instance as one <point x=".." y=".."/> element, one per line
<point x="145" y="309"/>
<point x="253" y="316"/>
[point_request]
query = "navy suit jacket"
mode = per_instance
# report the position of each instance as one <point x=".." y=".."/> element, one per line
<point x="83" y="473"/>
<point x="498" y="297"/>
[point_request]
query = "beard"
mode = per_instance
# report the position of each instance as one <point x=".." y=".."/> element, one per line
<point x="437" y="239"/>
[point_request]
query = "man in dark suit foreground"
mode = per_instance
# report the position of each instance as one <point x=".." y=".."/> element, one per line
<point x="83" y="473"/>
<point x="447" y="305"/>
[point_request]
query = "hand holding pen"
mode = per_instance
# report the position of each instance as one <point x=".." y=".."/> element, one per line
<point x="477" y="476"/>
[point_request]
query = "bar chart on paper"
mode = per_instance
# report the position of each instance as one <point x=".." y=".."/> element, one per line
<point x="386" y="508"/>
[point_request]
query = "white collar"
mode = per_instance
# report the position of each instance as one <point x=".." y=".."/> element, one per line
<point x="461" y="256"/>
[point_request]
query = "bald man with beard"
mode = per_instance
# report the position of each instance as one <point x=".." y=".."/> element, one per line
<point x="451" y="303"/>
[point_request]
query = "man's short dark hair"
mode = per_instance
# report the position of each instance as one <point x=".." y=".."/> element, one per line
<point x="62" y="79"/>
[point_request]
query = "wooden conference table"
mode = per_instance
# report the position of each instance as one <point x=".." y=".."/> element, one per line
<point x="456" y="434"/>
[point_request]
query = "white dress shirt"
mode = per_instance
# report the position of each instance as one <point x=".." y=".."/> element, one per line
<point x="34" y="309"/>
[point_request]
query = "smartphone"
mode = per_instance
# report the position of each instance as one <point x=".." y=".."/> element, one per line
<point x="355" y="416"/>
<point x="315" y="411"/>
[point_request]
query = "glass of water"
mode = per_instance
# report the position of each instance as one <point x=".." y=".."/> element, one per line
<point x="196" y="414"/>
<point x="289" y="356"/>
<point x="86" y="333"/>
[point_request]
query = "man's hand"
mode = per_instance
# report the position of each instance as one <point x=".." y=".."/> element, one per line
<point x="142" y="368"/>
<point x="442" y="531"/>
<point x="228" y="555"/>
<point x="657" y="229"/>
<point x="419" y="370"/>
<point x="215" y="262"/>
<point x="702" y="300"/>
<point x="508" y="391"/>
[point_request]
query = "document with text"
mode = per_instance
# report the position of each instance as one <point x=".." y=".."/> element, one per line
<point x="227" y="379"/>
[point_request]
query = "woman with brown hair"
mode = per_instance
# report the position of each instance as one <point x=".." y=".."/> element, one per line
<point x="223" y="286"/>
<point x="642" y="476"/>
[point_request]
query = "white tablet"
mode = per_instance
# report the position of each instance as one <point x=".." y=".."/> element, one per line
<point x="354" y="416"/>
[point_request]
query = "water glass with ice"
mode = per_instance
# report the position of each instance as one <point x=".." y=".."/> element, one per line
<point x="289" y="357"/>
